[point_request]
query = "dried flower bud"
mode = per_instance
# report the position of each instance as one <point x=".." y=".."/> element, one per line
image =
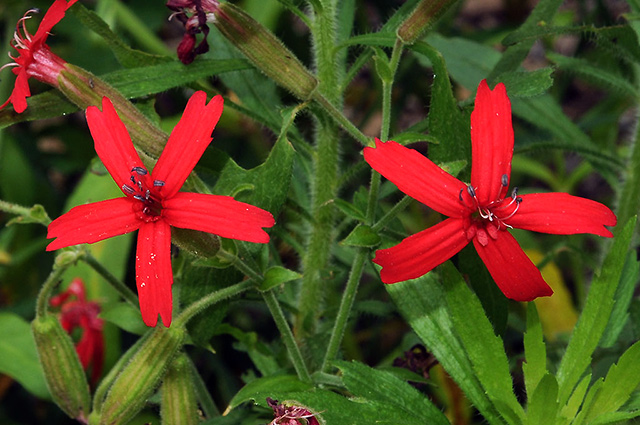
<point x="422" y="17"/>
<point x="62" y="369"/>
<point x="264" y="49"/>
<point x="141" y="376"/>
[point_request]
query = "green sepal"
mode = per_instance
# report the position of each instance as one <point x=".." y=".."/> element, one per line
<point x="179" y="404"/>
<point x="276" y="276"/>
<point x="363" y="236"/>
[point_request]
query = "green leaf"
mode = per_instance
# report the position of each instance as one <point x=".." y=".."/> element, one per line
<point x="276" y="276"/>
<point x="485" y="350"/>
<point x="261" y="355"/>
<point x="422" y="303"/>
<point x="363" y="236"/>
<point x="447" y="123"/>
<point x="595" y="315"/>
<point x="18" y="356"/>
<point x="620" y="314"/>
<point x="261" y="388"/>
<point x="621" y="380"/>
<point x="383" y="68"/>
<point x="527" y="84"/>
<point x="124" y="316"/>
<point x="270" y="180"/>
<point x="146" y="80"/>
<point x="371" y="384"/>
<point x="127" y="56"/>
<point x="570" y="410"/>
<point x="615" y="417"/>
<point x="594" y="74"/>
<point x="542" y="408"/>
<point x="349" y="209"/>
<point x="535" y="351"/>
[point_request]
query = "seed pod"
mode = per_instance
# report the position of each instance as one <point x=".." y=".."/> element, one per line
<point x="264" y="49"/>
<point x="62" y="369"/>
<point x="179" y="405"/>
<point x="422" y="17"/>
<point x="141" y="376"/>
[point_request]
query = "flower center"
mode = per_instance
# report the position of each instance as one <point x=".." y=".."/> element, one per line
<point x="486" y="219"/>
<point x="149" y="207"/>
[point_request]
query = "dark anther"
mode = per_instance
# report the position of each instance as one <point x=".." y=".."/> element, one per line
<point x="141" y="171"/>
<point x="505" y="180"/>
<point x="158" y="183"/>
<point x="514" y="192"/>
<point x="128" y="189"/>
<point x="139" y="198"/>
<point x="147" y="195"/>
<point x="460" y="195"/>
<point x="518" y="199"/>
<point x="133" y="180"/>
<point x="471" y="191"/>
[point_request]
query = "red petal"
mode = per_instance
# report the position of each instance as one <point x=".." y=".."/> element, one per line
<point x="51" y="18"/>
<point x="420" y="253"/>
<point x="20" y="92"/>
<point x="187" y="142"/>
<point x="514" y="273"/>
<point x="153" y="272"/>
<point x="112" y="142"/>
<point x="92" y="223"/>
<point x="491" y="142"/>
<point x="562" y="214"/>
<point x="417" y="176"/>
<point x="220" y="215"/>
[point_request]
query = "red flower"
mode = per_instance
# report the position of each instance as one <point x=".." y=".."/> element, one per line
<point x="153" y="203"/>
<point x="483" y="211"/>
<point x="34" y="56"/>
<point x="83" y="314"/>
<point x="288" y="414"/>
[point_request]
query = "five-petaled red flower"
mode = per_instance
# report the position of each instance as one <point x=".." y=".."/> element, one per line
<point x="483" y="211"/>
<point x="153" y="202"/>
<point x="76" y="312"/>
<point x="35" y="59"/>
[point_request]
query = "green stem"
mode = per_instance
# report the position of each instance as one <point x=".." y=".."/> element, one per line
<point x="629" y="196"/>
<point x="210" y="299"/>
<point x="27" y="212"/>
<point x="119" y="286"/>
<point x="287" y="336"/>
<point x="402" y="204"/>
<point x="52" y="281"/>
<point x="325" y="172"/>
<point x="387" y="87"/>
<point x="344" y="310"/>
<point x="341" y="120"/>
<point x="276" y="312"/>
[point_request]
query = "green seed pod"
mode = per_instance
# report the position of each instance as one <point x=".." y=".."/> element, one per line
<point x="179" y="405"/>
<point x="422" y="17"/>
<point x="141" y="376"/>
<point x="264" y="49"/>
<point x="62" y="368"/>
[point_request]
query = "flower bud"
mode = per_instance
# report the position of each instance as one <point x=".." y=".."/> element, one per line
<point x="179" y="405"/>
<point x="62" y="369"/>
<point x="85" y="89"/>
<point x="422" y="17"/>
<point x="141" y="376"/>
<point x="262" y="48"/>
<point x="198" y="243"/>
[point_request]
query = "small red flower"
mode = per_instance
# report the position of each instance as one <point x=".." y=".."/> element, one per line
<point x="76" y="312"/>
<point x="290" y="414"/>
<point x="153" y="202"/>
<point x="483" y="211"/>
<point x="34" y="56"/>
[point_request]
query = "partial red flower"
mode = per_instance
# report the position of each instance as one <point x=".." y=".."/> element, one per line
<point x="78" y="313"/>
<point x="153" y="202"/>
<point x="35" y="59"/>
<point x="196" y="24"/>
<point x="483" y="211"/>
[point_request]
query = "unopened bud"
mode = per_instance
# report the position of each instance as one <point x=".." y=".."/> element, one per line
<point x="141" y="376"/>
<point x="85" y="89"/>
<point x="179" y="404"/>
<point x="63" y="372"/>
<point x="264" y="49"/>
<point x="422" y="18"/>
